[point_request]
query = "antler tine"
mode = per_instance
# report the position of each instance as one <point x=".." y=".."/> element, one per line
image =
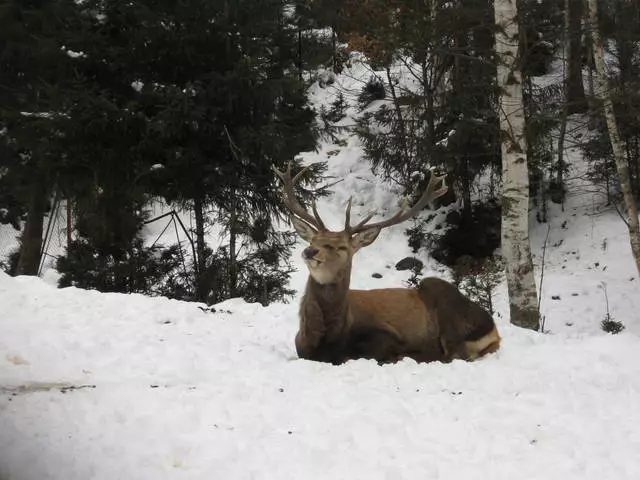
<point x="314" y="209"/>
<point x="347" y="215"/>
<point x="403" y="214"/>
<point x="290" y="197"/>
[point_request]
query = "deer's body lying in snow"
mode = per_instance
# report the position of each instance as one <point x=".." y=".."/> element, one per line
<point x="433" y="322"/>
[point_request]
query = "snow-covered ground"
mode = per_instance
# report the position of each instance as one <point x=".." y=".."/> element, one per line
<point x="110" y="386"/>
<point x="166" y="390"/>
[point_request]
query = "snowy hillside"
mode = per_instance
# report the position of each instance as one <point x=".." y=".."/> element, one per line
<point x="110" y="386"/>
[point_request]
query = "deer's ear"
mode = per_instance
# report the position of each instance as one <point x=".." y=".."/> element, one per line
<point x="306" y="231"/>
<point x="365" y="238"/>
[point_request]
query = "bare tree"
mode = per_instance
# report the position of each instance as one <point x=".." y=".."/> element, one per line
<point x="516" y="248"/>
<point x="603" y="93"/>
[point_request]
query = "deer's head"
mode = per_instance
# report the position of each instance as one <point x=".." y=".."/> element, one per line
<point x="329" y="253"/>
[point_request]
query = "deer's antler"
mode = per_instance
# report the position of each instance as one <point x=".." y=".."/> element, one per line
<point x="430" y="193"/>
<point x="291" y="200"/>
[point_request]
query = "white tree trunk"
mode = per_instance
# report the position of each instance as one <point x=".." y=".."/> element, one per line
<point x="516" y="249"/>
<point x="603" y="94"/>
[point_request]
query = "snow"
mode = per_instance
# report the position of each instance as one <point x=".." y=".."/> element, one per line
<point x="137" y="86"/>
<point x="171" y="391"/>
<point x="588" y="247"/>
<point x="73" y="54"/>
<point x="110" y="386"/>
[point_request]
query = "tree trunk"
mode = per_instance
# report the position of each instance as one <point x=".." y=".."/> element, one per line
<point x="300" y="72"/>
<point x="402" y="127"/>
<point x="590" y="88"/>
<point x="636" y="156"/>
<point x="568" y="108"/>
<point x="429" y="103"/>
<point x="575" y="97"/>
<point x="557" y="195"/>
<point x="569" y="90"/>
<point x="334" y="50"/>
<point x="201" y="246"/>
<point x="69" y="222"/>
<point x="465" y="184"/>
<point x="626" y="23"/>
<point x="604" y="95"/>
<point x="31" y="239"/>
<point x="233" y="253"/>
<point x="515" y="195"/>
<point x="624" y="36"/>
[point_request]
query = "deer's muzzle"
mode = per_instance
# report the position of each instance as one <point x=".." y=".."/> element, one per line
<point x="309" y="252"/>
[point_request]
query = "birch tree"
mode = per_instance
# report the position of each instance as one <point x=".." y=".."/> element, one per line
<point x="603" y="93"/>
<point x="516" y="248"/>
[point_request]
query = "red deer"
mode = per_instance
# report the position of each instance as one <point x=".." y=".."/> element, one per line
<point x="432" y="322"/>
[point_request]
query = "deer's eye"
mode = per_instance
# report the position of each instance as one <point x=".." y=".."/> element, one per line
<point x="342" y="248"/>
<point x="328" y="247"/>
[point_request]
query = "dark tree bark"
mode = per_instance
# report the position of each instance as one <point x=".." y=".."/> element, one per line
<point x="233" y="249"/>
<point x="401" y="125"/>
<point x="576" y="99"/>
<point x="201" y="287"/>
<point x="31" y="240"/>
<point x="625" y="40"/>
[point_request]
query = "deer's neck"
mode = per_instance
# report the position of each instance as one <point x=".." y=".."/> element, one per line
<point x="324" y="319"/>
<point x="331" y="297"/>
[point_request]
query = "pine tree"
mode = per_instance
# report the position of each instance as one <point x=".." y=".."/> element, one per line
<point x="217" y="101"/>
<point x="108" y="152"/>
<point x="34" y="69"/>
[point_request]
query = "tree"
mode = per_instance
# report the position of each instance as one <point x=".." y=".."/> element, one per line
<point x="433" y="78"/>
<point x="34" y="69"/>
<point x="603" y="92"/>
<point x="515" y="175"/>
<point x="446" y="117"/>
<point x="209" y="91"/>
<point x="106" y="150"/>
<point x="228" y="117"/>
<point x="575" y="96"/>
<point x="470" y="104"/>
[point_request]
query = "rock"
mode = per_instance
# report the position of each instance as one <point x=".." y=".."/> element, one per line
<point x="409" y="263"/>
<point x="376" y="275"/>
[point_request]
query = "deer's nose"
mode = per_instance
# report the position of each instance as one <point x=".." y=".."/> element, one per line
<point x="309" y="252"/>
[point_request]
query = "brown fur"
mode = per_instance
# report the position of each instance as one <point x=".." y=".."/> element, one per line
<point x="324" y="321"/>
<point x="462" y="323"/>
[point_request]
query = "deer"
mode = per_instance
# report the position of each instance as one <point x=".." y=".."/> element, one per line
<point x="431" y="322"/>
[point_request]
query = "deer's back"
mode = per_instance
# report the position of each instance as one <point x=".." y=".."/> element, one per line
<point x="458" y="316"/>
<point x="398" y="310"/>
